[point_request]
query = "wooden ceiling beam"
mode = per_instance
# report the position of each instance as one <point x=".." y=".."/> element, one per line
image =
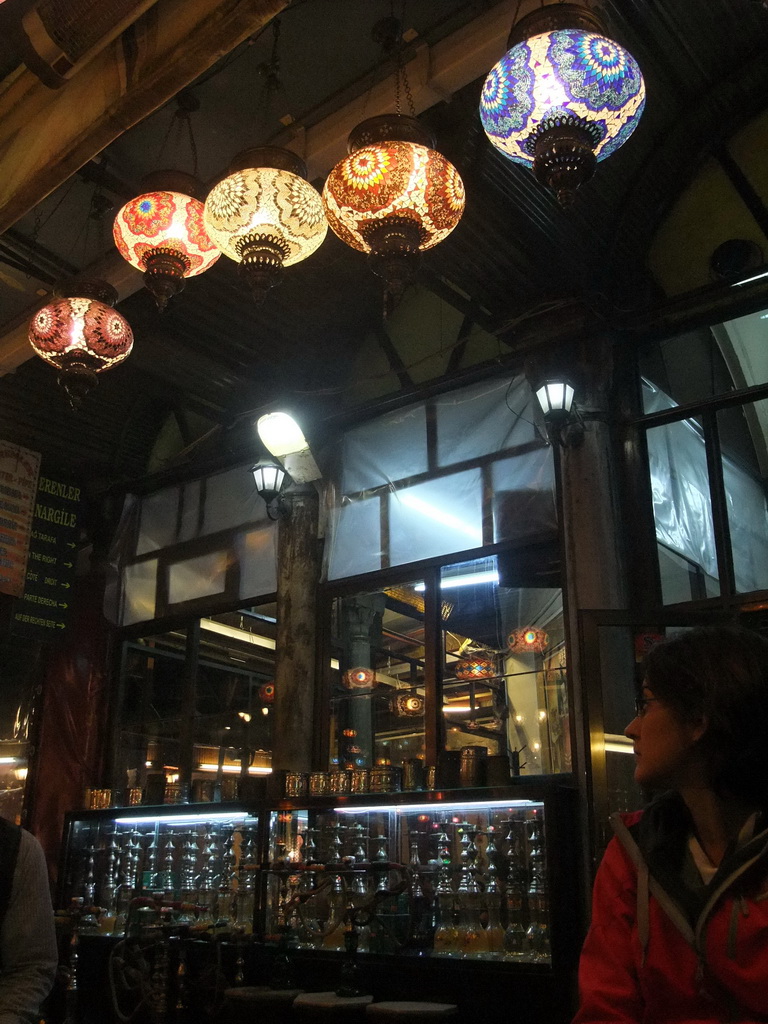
<point x="47" y="134"/>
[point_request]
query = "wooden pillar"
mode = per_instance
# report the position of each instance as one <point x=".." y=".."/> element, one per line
<point x="298" y="573"/>
<point x="593" y="537"/>
<point x="70" y="743"/>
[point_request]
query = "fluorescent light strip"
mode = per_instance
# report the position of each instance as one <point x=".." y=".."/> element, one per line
<point x="237" y="634"/>
<point x="470" y="580"/>
<point x="183" y="819"/>
<point x="9" y="760"/>
<point x="249" y="638"/>
<point x="755" y="277"/>
<point x="253" y="770"/>
<point x="618" y="744"/>
<point x="438" y="805"/>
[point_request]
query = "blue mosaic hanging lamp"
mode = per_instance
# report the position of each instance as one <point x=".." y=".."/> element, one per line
<point x="563" y="97"/>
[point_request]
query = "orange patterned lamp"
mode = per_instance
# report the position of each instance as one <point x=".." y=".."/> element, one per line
<point x="361" y="678"/>
<point x="393" y="196"/>
<point x="530" y="639"/>
<point x="81" y="335"/>
<point x="161" y="232"/>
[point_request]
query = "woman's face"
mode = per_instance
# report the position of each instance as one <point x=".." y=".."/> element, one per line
<point x="666" y="751"/>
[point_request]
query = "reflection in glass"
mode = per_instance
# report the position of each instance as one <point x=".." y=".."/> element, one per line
<point x="504" y="692"/>
<point x="215" y="698"/>
<point x="682" y="511"/>
<point x="743" y="433"/>
<point x="377" y="702"/>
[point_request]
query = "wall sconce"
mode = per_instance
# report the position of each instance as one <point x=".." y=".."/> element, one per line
<point x="270" y="478"/>
<point x="564" y="425"/>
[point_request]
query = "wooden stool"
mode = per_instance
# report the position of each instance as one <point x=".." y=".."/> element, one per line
<point x="262" y="1003"/>
<point x="406" y="1012"/>
<point x="327" y="1006"/>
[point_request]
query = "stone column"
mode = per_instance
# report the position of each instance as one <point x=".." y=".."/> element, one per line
<point x="298" y="572"/>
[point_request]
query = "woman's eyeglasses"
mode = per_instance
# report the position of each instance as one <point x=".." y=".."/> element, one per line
<point x="641" y="705"/>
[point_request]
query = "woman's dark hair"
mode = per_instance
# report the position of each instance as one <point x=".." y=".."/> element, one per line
<point x="720" y="674"/>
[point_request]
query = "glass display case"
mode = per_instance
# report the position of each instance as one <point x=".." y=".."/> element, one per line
<point x="465" y="875"/>
<point x="196" y="867"/>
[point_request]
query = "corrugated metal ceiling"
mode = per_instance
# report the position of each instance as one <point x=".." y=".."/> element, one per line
<point x="217" y="355"/>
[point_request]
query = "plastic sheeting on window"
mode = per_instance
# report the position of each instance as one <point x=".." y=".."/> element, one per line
<point x="139" y="593"/>
<point x="196" y="577"/>
<point x="399" y="505"/>
<point x="484" y="419"/>
<point x="680" y="490"/>
<point x="436" y="517"/>
<point x="682" y="506"/>
<point x="198" y="508"/>
<point x="225" y="504"/>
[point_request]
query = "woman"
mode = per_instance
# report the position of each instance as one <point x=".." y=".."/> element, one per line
<point x="679" y="927"/>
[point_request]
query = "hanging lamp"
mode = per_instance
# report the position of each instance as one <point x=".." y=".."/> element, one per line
<point x="161" y="232"/>
<point x="81" y="335"/>
<point x="393" y="196"/>
<point x="563" y="98"/>
<point x="265" y="215"/>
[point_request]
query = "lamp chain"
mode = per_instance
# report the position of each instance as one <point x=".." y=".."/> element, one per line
<point x="186" y="103"/>
<point x="401" y="75"/>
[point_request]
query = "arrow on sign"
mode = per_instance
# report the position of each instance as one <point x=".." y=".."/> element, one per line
<point x="66" y="585"/>
<point x="68" y="565"/>
<point x="63" y="604"/>
<point x="70" y="544"/>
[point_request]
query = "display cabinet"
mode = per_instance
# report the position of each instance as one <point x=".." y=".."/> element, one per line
<point x="194" y="866"/>
<point x="405" y="895"/>
<point x="472" y="875"/>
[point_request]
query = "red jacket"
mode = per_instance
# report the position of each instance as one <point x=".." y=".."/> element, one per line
<point x="654" y="954"/>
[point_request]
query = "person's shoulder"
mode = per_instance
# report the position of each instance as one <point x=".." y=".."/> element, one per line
<point x="629" y="818"/>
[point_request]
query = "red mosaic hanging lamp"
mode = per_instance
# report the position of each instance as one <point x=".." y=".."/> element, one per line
<point x="161" y="233"/>
<point x="81" y="335"/>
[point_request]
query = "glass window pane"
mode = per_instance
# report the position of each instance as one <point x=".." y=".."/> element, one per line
<point x="150" y="716"/>
<point x="689" y="367"/>
<point x="197" y="577"/>
<point x="235" y="693"/>
<point x="436" y="518"/>
<point x="377" y="702"/>
<point x="256" y="553"/>
<point x="524" y="505"/>
<point x="682" y="510"/>
<point x="504" y="688"/>
<point x="393" y="447"/>
<point x="743" y="432"/>
<point x="483" y="419"/>
<point x="355" y="542"/>
<point x="169" y="516"/>
<point x="139" y="592"/>
<point x="229" y="500"/>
